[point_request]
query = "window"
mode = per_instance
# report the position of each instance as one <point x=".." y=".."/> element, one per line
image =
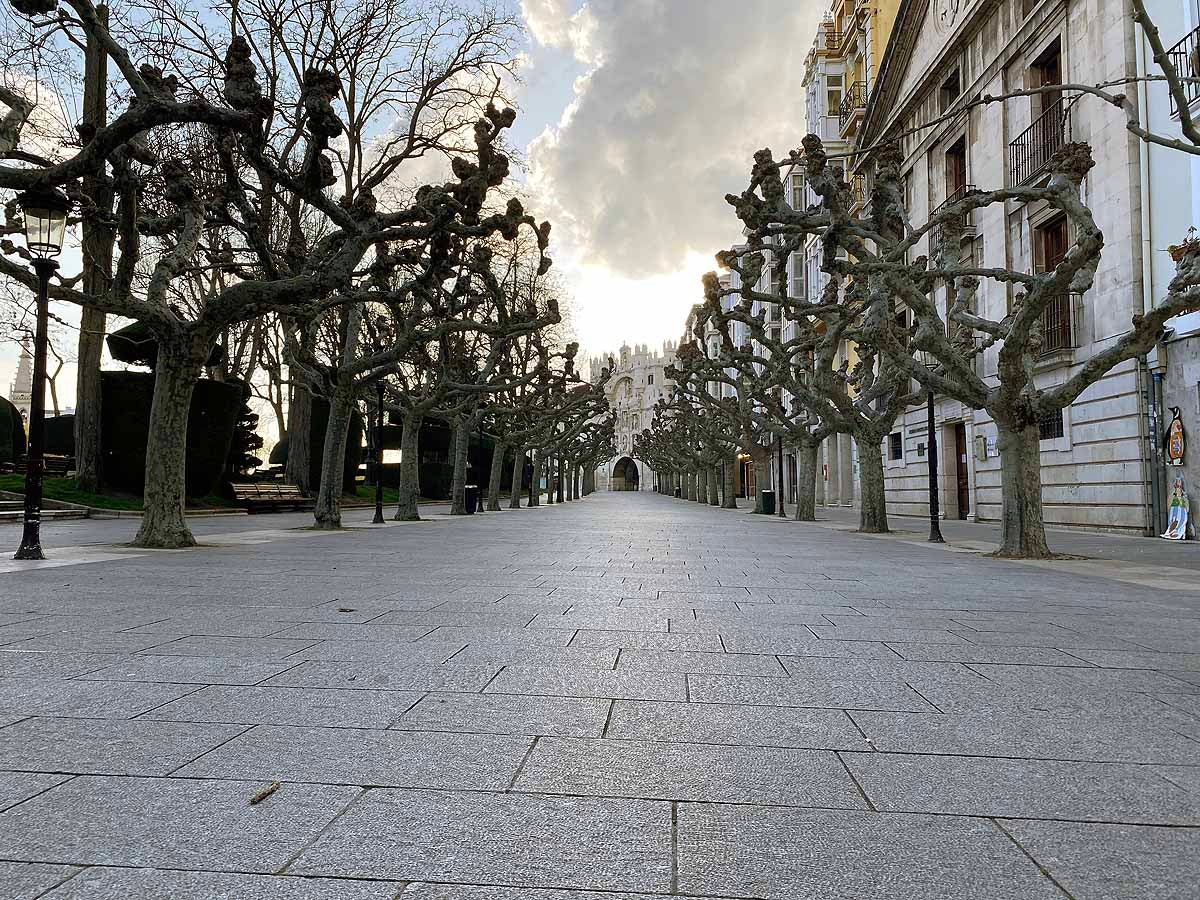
<point x="797" y="183"/>
<point x="956" y="168"/>
<point x="650" y="379"/>
<point x="1051" y="426"/>
<point x="1047" y="72"/>
<point x="950" y="91"/>
<point x="1050" y="244"/>
<point x="896" y="446"/>
<point x="833" y="94"/>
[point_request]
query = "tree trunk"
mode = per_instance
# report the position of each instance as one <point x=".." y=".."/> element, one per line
<point x="495" y="477"/>
<point x="163" y="523"/>
<point x="561" y="474"/>
<point x="327" y="516"/>
<point x="549" y="480"/>
<point x="299" y="430"/>
<point x="535" y="488"/>
<point x="806" y="489"/>
<point x="729" y="501"/>
<point x="97" y="249"/>
<point x="410" y="468"/>
<point x="1022" y="526"/>
<point x="569" y="476"/>
<point x="458" y="481"/>
<point x="518" y="474"/>
<point x="873" y="503"/>
<point x="714" y="488"/>
<point x="702" y="485"/>
<point x="760" y="483"/>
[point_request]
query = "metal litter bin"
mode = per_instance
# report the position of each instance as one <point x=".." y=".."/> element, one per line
<point x="768" y="502"/>
<point x="472" y="498"/>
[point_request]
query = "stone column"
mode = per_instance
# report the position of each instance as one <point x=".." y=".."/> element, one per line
<point x="846" y="464"/>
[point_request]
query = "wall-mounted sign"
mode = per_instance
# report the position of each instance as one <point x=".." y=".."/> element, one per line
<point x="980" y="448"/>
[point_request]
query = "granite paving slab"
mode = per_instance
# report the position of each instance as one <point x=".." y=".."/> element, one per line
<point x="107" y="746"/>
<point x="501" y="839"/>
<point x="783" y="854"/>
<point x="169" y="823"/>
<point x="507" y="714"/>
<point x="88" y="699"/>
<point x="103" y="883"/>
<point x="1114" y="862"/>
<point x="648" y="640"/>
<point x="189" y="670"/>
<point x="384" y="675"/>
<point x="1022" y="788"/>
<point x="16" y="787"/>
<point x="827" y="693"/>
<point x="604" y="684"/>
<point x="366" y="757"/>
<point x="708" y="723"/>
<point x="671" y="771"/>
<point x="700" y="662"/>
<point x="289" y="706"/>
<point x="28" y="881"/>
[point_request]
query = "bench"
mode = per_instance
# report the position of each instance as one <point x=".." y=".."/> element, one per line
<point x="53" y="465"/>
<point x="263" y="496"/>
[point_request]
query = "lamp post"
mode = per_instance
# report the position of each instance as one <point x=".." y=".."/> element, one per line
<point x="45" y="214"/>
<point x="378" y="520"/>
<point x="935" y="526"/>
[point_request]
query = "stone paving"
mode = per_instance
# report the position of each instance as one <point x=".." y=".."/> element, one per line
<point x="625" y="697"/>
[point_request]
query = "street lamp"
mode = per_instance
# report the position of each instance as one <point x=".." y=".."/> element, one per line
<point x="935" y="527"/>
<point x="45" y="215"/>
<point x="378" y="520"/>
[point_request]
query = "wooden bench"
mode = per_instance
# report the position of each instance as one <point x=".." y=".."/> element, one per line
<point x="54" y="466"/>
<point x="264" y="496"/>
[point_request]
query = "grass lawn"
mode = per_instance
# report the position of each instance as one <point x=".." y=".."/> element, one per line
<point x="66" y="490"/>
<point x="367" y="492"/>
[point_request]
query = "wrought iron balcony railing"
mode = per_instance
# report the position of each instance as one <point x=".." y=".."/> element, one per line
<point x="854" y="100"/>
<point x="1185" y="57"/>
<point x="965" y="222"/>
<point x="1031" y="151"/>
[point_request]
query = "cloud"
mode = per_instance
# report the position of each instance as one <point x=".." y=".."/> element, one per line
<point x="677" y="96"/>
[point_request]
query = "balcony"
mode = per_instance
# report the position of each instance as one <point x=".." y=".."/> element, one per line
<point x="858" y="191"/>
<point x="833" y="39"/>
<point x="965" y="222"/>
<point x="1185" y="57"/>
<point x="854" y="101"/>
<point x="1029" y="153"/>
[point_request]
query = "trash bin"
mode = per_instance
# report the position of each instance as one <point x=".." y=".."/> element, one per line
<point x="768" y="502"/>
<point x="472" y="498"/>
<point x="678" y="492"/>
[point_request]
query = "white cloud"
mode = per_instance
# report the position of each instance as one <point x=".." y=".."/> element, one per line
<point x="678" y="96"/>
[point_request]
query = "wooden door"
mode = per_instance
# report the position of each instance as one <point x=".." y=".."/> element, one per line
<point x="960" y="463"/>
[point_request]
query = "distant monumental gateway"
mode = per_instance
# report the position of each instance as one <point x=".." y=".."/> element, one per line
<point x="638" y="381"/>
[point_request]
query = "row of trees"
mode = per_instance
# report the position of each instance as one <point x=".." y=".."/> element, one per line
<point x="892" y="323"/>
<point x="318" y="186"/>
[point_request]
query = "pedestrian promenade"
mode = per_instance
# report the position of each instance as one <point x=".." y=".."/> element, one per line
<point x="625" y="697"/>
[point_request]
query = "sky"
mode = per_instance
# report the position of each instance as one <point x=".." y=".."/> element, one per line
<point x="636" y="117"/>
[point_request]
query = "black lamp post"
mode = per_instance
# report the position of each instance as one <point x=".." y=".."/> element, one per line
<point x="378" y="520"/>
<point x="935" y="512"/>
<point x="45" y="214"/>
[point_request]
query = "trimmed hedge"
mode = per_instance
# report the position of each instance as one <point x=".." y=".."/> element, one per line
<point x="12" y="432"/>
<point x="125" y="422"/>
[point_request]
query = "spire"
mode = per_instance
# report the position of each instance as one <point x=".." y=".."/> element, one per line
<point x="21" y="393"/>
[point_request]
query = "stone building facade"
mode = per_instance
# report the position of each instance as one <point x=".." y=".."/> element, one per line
<point x="637" y="381"/>
<point x="1096" y="458"/>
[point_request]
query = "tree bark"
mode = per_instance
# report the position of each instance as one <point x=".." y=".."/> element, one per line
<point x="97" y="249"/>
<point x="163" y="523"/>
<point x="730" y="484"/>
<point x="518" y="474"/>
<point x="327" y="516"/>
<point x="702" y="485"/>
<point x="299" y="430"/>
<point x="495" y="477"/>
<point x="549" y="480"/>
<point x="458" y="481"/>
<point x="873" y="508"/>
<point x="760" y="483"/>
<point x="410" y="468"/>
<point x="569" y="476"/>
<point x="714" y="491"/>
<point x="1022" y="526"/>
<point x="561" y="474"/>
<point x="806" y="489"/>
<point x="535" y="488"/>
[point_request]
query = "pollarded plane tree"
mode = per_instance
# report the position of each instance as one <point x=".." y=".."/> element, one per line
<point x="824" y="369"/>
<point x="597" y="444"/>
<point x="666" y="446"/>
<point x="576" y="406"/>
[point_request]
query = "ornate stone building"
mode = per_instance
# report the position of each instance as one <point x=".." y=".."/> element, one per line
<point x="638" y="381"/>
<point x="21" y="392"/>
